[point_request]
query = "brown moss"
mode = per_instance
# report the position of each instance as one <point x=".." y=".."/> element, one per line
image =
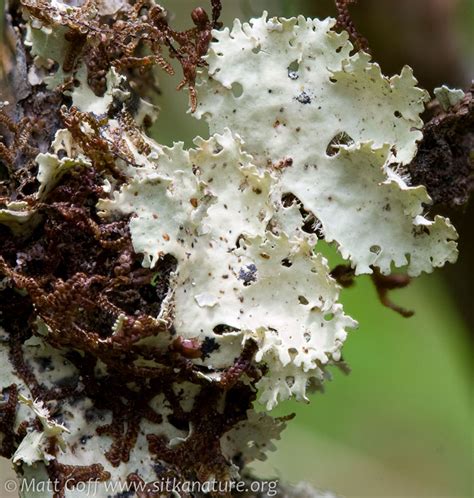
<point x="8" y="405"/>
<point x="71" y="475"/>
<point x="124" y="42"/>
<point x="200" y="455"/>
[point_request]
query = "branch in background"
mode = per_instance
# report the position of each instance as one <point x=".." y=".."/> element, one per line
<point x="386" y="283"/>
<point x="345" y="22"/>
<point x="345" y="277"/>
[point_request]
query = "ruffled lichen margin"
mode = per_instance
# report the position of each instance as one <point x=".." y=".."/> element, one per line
<point x="152" y="295"/>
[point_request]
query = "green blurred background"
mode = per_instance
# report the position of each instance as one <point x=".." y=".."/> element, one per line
<point x="400" y="425"/>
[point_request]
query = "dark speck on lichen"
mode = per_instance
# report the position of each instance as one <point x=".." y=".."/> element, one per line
<point x="84" y="439"/>
<point x="248" y="274"/>
<point x="293" y="75"/>
<point x="303" y="98"/>
<point x="208" y="346"/>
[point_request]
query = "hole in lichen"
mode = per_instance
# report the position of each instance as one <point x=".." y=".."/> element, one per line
<point x="237" y="89"/>
<point x="328" y="317"/>
<point x="420" y="230"/>
<point x="397" y="114"/>
<point x="218" y="148"/>
<point x="290" y="381"/>
<point x="303" y="300"/>
<point x="341" y="138"/>
<point x="29" y="188"/>
<point x="286" y="262"/>
<point x="62" y="153"/>
<point x="179" y="423"/>
<point x="375" y="249"/>
<point x="288" y="199"/>
<point x="311" y="224"/>
<point x="307" y="336"/>
<point x="293" y="70"/>
<point x="4" y="174"/>
<point x="222" y="329"/>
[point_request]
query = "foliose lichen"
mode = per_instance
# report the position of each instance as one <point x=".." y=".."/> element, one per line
<point x="151" y="295"/>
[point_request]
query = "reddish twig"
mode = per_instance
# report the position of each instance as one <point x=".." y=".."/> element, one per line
<point x="345" y="22"/>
